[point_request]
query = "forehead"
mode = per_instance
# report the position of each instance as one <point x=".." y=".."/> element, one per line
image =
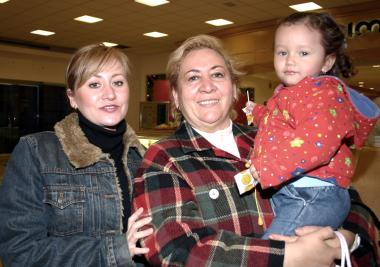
<point x="203" y="58"/>
<point x="299" y="33"/>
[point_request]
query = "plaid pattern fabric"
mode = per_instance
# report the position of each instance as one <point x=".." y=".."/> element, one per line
<point x="361" y="221"/>
<point x="199" y="218"/>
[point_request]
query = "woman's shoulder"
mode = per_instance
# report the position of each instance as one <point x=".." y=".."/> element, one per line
<point x="44" y="138"/>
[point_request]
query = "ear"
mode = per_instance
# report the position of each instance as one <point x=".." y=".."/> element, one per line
<point x="329" y="63"/>
<point x="70" y="95"/>
<point x="235" y="92"/>
<point x="175" y="97"/>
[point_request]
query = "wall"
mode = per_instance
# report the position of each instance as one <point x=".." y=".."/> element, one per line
<point x="263" y="88"/>
<point x="32" y="65"/>
<point x="27" y="64"/>
<point x="143" y="65"/>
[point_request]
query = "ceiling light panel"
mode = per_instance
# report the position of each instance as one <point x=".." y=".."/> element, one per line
<point x="155" y="34"/>
<point x="152" y="2"/>
<point x="219" y="22"/>
<point x="305" y="6"/>
<point x="42" y="32"/>
<point x="109" y="44"/>
<point x="3" y="1"/>
<point x="88" y="19"/>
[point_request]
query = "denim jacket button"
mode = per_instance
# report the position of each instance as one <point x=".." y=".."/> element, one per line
<point x="214" y="193"/>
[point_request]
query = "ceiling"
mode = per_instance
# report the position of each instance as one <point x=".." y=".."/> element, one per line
<point x="125" y="21"/>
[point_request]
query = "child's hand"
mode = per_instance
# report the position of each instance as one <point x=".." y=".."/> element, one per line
<point x="248" y="109"/>
<point x="254" y="172"/>
<point x="249" y="106"/>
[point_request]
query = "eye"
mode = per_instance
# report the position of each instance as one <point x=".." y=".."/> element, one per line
<point x="304" y="53"/>
<point x="193" y="78"/>
<point x="281" y="53"/>
<point x="119" y="83"/>
<point x="94" y="85"/>
<point x="218" y="75"/>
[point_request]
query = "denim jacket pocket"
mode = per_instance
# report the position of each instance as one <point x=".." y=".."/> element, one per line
<point x="66" y="208"/>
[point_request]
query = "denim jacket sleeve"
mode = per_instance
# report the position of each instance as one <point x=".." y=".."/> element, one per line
<point x="24" y="236"/>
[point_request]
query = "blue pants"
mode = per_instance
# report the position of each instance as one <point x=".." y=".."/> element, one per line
<point x="299" y="206"/>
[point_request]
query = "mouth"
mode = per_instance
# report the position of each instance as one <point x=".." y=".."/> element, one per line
<point x="109" y="108"/>
<point x="208" y="102"/>
<point x="290" y="72"/>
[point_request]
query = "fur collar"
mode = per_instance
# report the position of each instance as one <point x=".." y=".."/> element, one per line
<point x="80" y="152"/>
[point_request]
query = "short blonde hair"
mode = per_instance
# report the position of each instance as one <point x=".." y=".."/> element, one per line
<point x="92" y="59"/>
<point x="195" y="43"/>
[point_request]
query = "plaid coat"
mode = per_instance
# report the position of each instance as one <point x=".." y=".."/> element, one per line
<point x="199" y="218"/>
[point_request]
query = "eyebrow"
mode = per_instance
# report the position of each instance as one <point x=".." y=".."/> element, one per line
<point x="116" y="74"/>
<point x="212" y="68"/>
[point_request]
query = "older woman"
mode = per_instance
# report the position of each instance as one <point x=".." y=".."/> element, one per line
<point x="66" y="196"/>
<point x="186" y="182"/>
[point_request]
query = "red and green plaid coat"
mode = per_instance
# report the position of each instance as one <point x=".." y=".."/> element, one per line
<point x="199" y="218"/>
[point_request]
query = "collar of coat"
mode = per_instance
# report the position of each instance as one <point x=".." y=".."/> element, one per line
<point x="80" y="152"/>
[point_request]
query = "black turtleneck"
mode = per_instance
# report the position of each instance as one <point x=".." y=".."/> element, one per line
<point x="111" y="142"/>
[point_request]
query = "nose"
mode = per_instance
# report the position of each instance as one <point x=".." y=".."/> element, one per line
<point x="290" y="59"/>
<point x="108" y="92"/>
<point x="208" y="85"/>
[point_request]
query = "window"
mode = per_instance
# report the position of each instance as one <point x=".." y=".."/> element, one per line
<point x="27" y="108"/>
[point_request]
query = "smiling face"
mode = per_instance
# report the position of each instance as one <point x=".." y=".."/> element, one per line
<point x="299" y="53"/>
<point x="103" y="98"/>
<point x="205" y="91"/>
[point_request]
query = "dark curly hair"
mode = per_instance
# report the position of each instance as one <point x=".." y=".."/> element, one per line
<point x="333" y="39"/>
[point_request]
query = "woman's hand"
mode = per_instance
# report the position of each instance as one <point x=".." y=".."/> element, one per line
<point x="310" y="249"/>
<point x="334" y="242"/>
<point x="135" y="222"/>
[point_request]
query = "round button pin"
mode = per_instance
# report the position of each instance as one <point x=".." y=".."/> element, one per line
<point x="214" y="193"/>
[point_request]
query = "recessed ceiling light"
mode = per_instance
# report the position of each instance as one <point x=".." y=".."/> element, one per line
<point x="88" y="19"/>
<point x="360" y="82"/>
<point x="371" y="88"/>
<point x="109" y="44"/>
<point x="152" y="2"/>
<point x="155" y="34"/>
<point x="375" y="66"/>
<point x="42" y="32"/>
<point x="361" y="85"/>
<point x="3" y="1"/>
<point x="219" y="22"/>
<point x="305" y="6"/>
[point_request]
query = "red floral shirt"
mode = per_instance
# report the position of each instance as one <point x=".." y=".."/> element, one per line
<point x="307" y="129"/>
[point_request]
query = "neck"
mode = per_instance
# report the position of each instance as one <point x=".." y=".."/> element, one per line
<point x="106" y="139"/>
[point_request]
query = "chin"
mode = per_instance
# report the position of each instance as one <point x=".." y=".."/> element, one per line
<point x="110" y="123"/>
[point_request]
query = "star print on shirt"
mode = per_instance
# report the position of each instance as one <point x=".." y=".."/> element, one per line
<point x="285" y="113"/>
<point x="296" y="142"/>
<point x="333" y="112"/>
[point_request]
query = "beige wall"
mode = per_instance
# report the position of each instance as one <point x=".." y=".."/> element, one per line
<point x="26" y="64"/>
<point x="143" y="65"/>
<point x="32" y="64"/>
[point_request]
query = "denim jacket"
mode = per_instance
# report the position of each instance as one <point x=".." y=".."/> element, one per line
<point x="60" y="202"/>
